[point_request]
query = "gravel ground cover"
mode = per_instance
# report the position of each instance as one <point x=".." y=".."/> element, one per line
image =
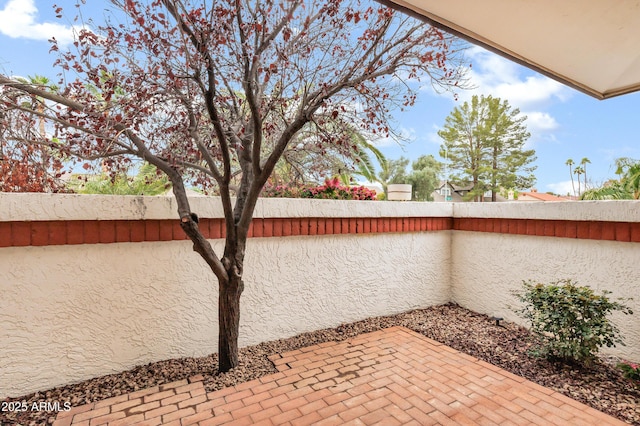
<point x="600" y="385"/>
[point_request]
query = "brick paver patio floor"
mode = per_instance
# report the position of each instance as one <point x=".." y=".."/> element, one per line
<point x="389" y="377"/>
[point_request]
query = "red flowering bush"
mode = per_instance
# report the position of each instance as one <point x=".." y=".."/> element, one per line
<point x="630" y="370"/>
<point x="280" y="191"/>
<point x="332" y="189"/>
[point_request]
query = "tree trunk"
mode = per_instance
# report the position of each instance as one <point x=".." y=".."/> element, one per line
<point x="230" y="284"/>
<point x="494" y="181"/>
<point x="229" y="322"/>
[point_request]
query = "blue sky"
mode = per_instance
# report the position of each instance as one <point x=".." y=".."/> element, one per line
<point x="563" y="122"/>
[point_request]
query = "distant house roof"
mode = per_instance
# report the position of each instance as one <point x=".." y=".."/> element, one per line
<point x="457" y="192"/>
<point x="455" y="187"/>
<point x="538" y="196"/>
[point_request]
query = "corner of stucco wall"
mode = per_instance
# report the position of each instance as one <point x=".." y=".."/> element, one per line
<point x="450" y="269"/>
<point x="488" y="266"/>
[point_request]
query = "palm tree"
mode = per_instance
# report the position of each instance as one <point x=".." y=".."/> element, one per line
<point x="629" y="171"/>
<point x="578" y="171"/>
<point x="392" y="171"/>
<point x="570" y="163"/>
<point x="632" y="181"/>
<point x="365" y="166"/>
<point x="583" y="163"/>
<point x="623" y="164"/>
<point x="612" y="190"/>
<point x="309" y="161"/>
<point x="627" y="187"/>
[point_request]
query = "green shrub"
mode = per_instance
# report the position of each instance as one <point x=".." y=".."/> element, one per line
<point x="570" y="320"/>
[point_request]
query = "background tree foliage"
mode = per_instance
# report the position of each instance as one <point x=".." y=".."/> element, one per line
<point x="392" y="171"/>
<point x="146" y="181"/>
<point x="424" y="177"/>
<point x="626" y="187"/>
<point x="484" y="145"/>
<point x="304" y="161"/>
<point x="579" y="170"/>
<point x="213" y="94"/>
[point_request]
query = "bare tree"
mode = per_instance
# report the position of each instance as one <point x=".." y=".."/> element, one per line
<point x="213" y="95"/>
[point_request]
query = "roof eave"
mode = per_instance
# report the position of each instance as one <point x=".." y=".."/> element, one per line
<point x="481" y="41"/>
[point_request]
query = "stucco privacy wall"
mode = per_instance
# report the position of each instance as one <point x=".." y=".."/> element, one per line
<point x="35" y="207"/>
<point x="488" y="266"/>
<point x="71" y="312"/>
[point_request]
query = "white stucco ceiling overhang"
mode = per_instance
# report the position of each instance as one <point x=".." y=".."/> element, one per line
<point x="590" y="45"/>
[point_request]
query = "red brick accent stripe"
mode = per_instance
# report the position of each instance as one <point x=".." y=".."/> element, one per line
<point x="43" y="233"/>
<point x="581" y="229"/>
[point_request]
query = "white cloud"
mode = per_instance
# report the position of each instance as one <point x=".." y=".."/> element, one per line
<point x="531" y="93"/>
<point x="561" y="188"/>
<point x="541" y="125"/>
<point x="494" y="75"/>
<point x="432" y="137"/>
<point x="18" y="19"/>
<point x="541" y="121"/>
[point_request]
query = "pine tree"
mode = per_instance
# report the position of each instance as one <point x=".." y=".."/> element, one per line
<point x="484" y="143"/>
